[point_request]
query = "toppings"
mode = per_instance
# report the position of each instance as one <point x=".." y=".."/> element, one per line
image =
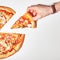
<point x="8" y="41"/>
<point x="2" y="48"/>
<point x="25" y="21"/>
<point x="6" y="12"/>
<point x="21" y="20"/>
<point x="2" y="18"/>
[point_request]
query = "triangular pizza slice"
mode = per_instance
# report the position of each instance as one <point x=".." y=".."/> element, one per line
<point x="6" y="14"/>
<point x="25" y="21"/>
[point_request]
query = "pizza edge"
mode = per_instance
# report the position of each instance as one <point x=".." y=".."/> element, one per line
<point x="7" y="9"/>
<point x="7" y="55"/>
<point x="34" y="24"/>
<point x="20" y="44"/>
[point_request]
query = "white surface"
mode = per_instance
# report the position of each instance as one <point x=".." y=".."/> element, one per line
<point x="42" y="43"/>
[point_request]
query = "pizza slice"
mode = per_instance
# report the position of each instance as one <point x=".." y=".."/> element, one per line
<point x="25" y="21"/>
<point x="10" y="43"/>
<point x="6" y="14"/>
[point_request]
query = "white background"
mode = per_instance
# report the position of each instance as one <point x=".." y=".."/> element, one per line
<point x="42" y="43"/>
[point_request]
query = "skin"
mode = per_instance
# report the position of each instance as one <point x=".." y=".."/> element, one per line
<point x="39" y="11"/>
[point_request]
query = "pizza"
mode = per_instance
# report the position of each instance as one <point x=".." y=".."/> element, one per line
<point x="24" y="21"/>
<point x="6" y="14"/>
<point x="10" y="43"/>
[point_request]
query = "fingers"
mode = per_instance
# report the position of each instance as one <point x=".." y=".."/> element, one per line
<point x="32" y="11"/>
<point x="36" y="17"/>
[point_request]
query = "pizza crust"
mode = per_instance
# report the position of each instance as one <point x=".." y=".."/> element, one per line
<point x="7" y="55"/>
<point x="7" y="9"/>
<point x="34" y="24"/>
<point x="18" y="46"/>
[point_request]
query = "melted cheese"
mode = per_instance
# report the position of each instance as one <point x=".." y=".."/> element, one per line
<point x="12" y="38"/>
<point x="2" y="18"/>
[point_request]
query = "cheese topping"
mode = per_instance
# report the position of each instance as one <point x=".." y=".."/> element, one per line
<point x="7" y="43"/>
<point x="4" y="17"/>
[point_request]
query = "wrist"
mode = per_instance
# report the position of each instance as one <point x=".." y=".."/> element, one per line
<point x="57" y="6"/>
<point x="51" y="10"/>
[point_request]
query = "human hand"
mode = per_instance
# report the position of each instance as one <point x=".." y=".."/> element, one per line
<point x="39" y="11"/>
